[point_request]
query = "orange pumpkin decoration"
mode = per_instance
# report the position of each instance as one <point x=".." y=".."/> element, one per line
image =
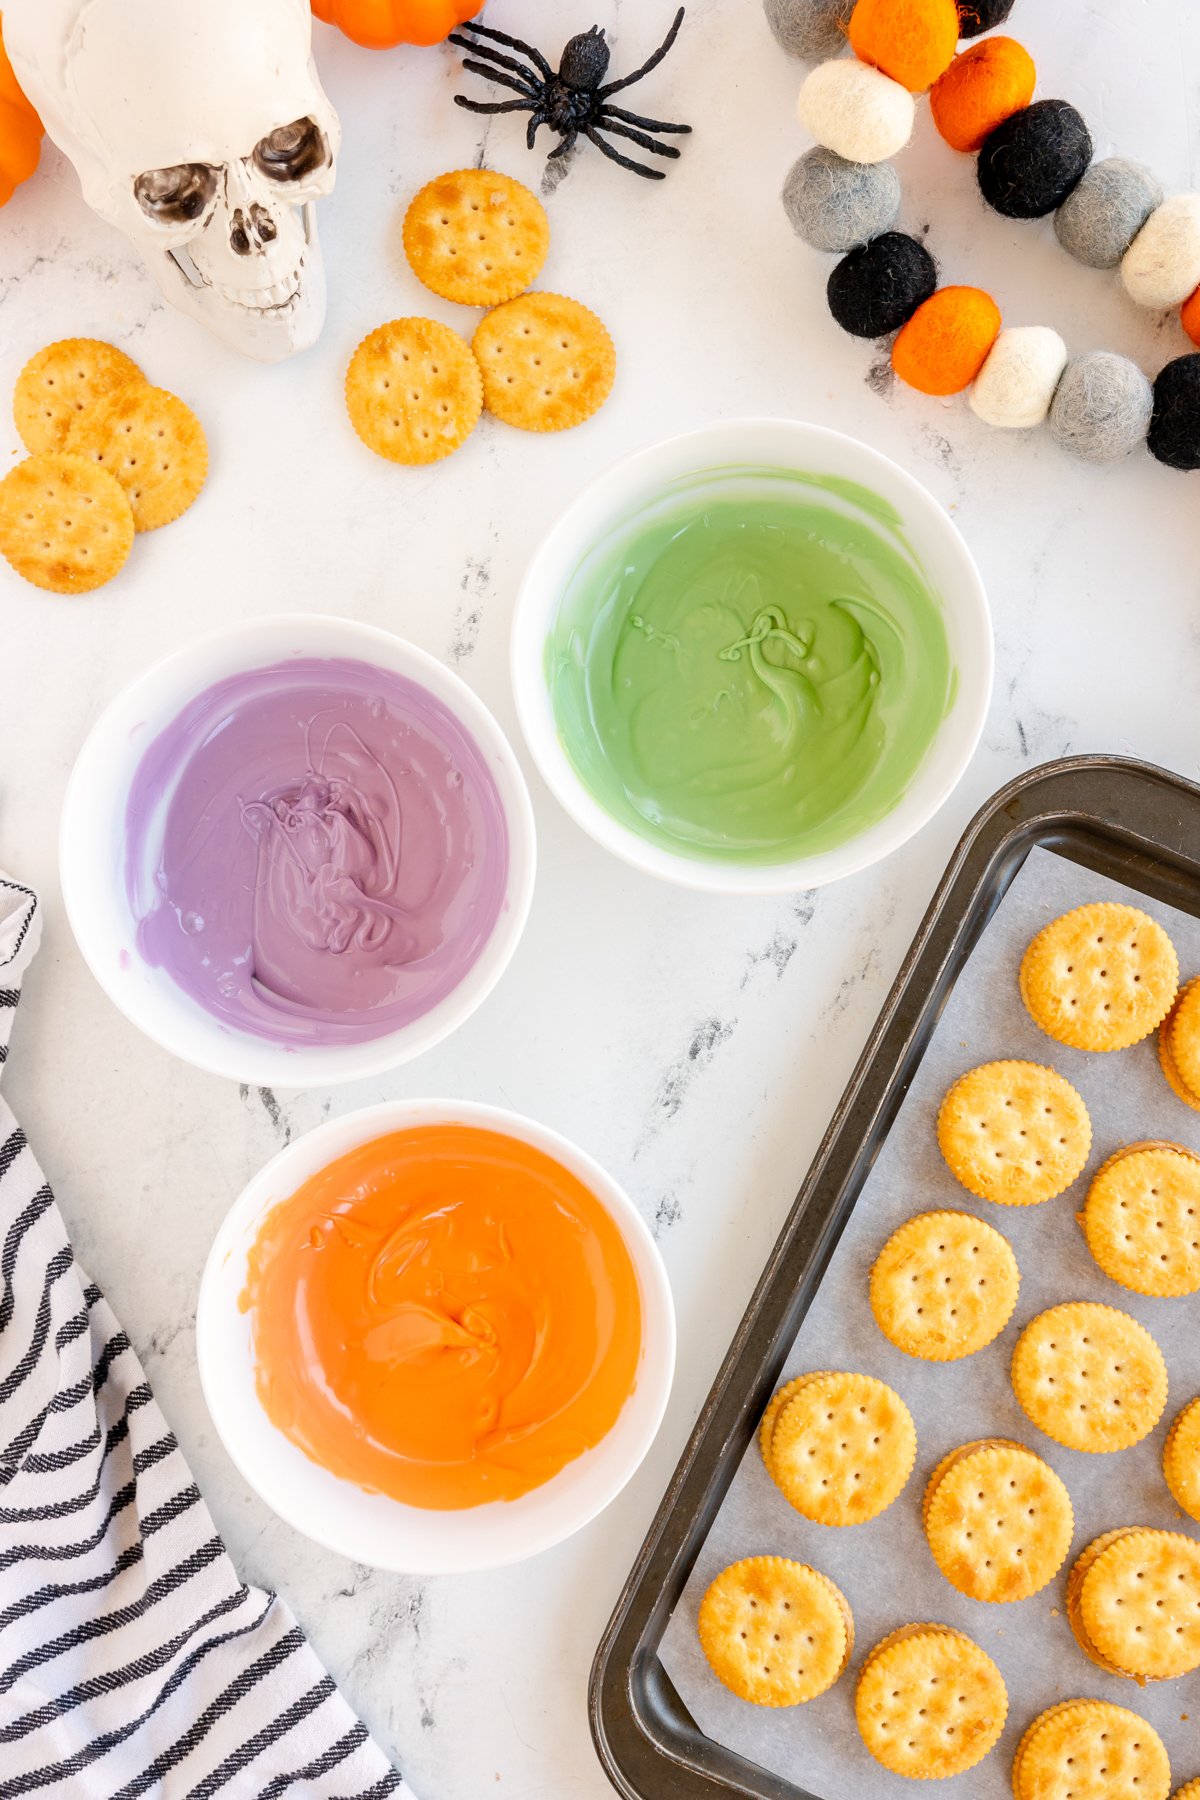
<point x="20" y="130"/>
<point x="378" y="24"/>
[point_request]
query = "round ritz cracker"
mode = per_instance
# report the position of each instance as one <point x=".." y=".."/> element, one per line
<point x="65" y="524"/>
<point x="1075" y="1579"/>
<point x="944" y="1285"/>
<point x="1091" y="1750"/>
<point x="153" y="444"/>
<point x="929" y="1702"/>
<point x="1181" y="1460"/>
<point x="775" y="1405"/>
<point x="1089" y="1376"/>
<point x="1189" y="1791"/>
<point x="413" y="391"/>
<point x="1133" y="1602"/>
<point x="63" y="381"/>
<point x="1179" y="1045"/>
<point x="1101" y="977"/>
<point x="775" y="1632"/>
<point x="547" y="362"/>
<point x="476" y="236"/>
<point x="842" y="1447"/>
<point x="1141" y="1219"/>
<point x="1014" y="1132"/>
<point x="998" y="1520"/>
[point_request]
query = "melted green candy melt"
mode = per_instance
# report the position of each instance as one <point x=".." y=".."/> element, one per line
<point x="752" y="668"/>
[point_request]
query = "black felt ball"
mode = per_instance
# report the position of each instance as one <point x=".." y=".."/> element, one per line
<point x="1174" y="434"/>
<point x="975" y="16"/>
<point x="875" y="289"/>
<point x="1031" y="162"/>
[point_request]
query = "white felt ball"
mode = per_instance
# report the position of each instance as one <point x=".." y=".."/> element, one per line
<point x="1016" y="384"/>
<point x="857" y="111"/>
<point x="1162" y="265"/>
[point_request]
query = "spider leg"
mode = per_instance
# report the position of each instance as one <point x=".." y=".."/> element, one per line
<point x="535" y="125"/>
<point x="511" y="43"/>
<point x="492" y="106"/>
<point x="502" y="80"/>
<point x="637" y="137"/>
<point x="491" y="68"/>
<point x="626" y="162"/>
<point x="651" y="62"/>
<point x="565" y="148"/>
<point x="632" y="118"/>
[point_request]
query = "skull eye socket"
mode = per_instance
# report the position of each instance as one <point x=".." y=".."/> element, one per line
<point x="292" y="152"/>
<point x="177" y="195"/>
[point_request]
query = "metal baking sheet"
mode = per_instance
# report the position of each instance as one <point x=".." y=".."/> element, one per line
<point x="679" y="1714"/>
<point x="885" y="1568"/>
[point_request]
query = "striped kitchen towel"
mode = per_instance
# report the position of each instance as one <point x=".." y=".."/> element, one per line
<point x="133" y="1661"/>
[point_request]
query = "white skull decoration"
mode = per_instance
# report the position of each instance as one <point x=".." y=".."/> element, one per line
<point x="200" y="129"/>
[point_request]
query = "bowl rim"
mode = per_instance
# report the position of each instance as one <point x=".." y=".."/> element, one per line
<point x="321" y="1065"/>
<point x="533" y="611"/>
<point x="364" y="1123"/>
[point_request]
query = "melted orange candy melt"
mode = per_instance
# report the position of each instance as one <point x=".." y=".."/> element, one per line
<point x="445" y="1315"/>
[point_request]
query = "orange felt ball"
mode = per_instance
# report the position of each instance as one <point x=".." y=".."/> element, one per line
<point x="945" y="344"/>
<point x="1189" y="318"/>
<point x="913" y="41"/>
<point x="984" y="86"/>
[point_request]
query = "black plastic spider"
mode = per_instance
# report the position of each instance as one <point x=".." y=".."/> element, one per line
<point x="572" y="99"/>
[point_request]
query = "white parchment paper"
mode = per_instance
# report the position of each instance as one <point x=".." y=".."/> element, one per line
<point x="885" y="1568"/>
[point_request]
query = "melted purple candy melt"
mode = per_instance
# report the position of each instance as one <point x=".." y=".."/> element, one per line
<point x="316" y="852"/>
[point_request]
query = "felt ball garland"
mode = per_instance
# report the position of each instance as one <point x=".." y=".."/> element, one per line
<point x="1161" y="267"/>
<point x="1175" y="422"/>
<point x="880" y="285"/>
<point x="809" y="28"/>
<point x="1102" y="407"/>
<point x="1030" y="162"/>
<point x="945" y="344"/>
<point x="1034" y="158"/>
<point x="910" y="40"/>
<point x="984" y="86"/>
<point x="1098" y="222"/>
<point x="1019" y="378"/>
<point x="975" y="16"/>
<point x="857" y="111"/>
<point x="1190" y="317"/>
<point x="835" y="205"/>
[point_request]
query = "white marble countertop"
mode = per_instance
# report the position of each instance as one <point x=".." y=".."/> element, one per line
<point x="696" y="1046"/>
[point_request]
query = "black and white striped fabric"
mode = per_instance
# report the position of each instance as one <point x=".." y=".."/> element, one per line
<point x="132" y="1659"/>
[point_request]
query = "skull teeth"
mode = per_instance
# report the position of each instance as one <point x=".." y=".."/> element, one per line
<point x="263" y="299"/>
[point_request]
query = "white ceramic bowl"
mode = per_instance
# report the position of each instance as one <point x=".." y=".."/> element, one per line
<point x="92" y="835"/>
<point x="371" y="1528"/>
<point x="760" y="443"/>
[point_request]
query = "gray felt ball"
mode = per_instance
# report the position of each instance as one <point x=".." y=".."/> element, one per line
<point x="836" y="205"/>
<point x="1102" y="406"/>
<point x="1100" y="218"/>
<point x="813" y="29"/>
